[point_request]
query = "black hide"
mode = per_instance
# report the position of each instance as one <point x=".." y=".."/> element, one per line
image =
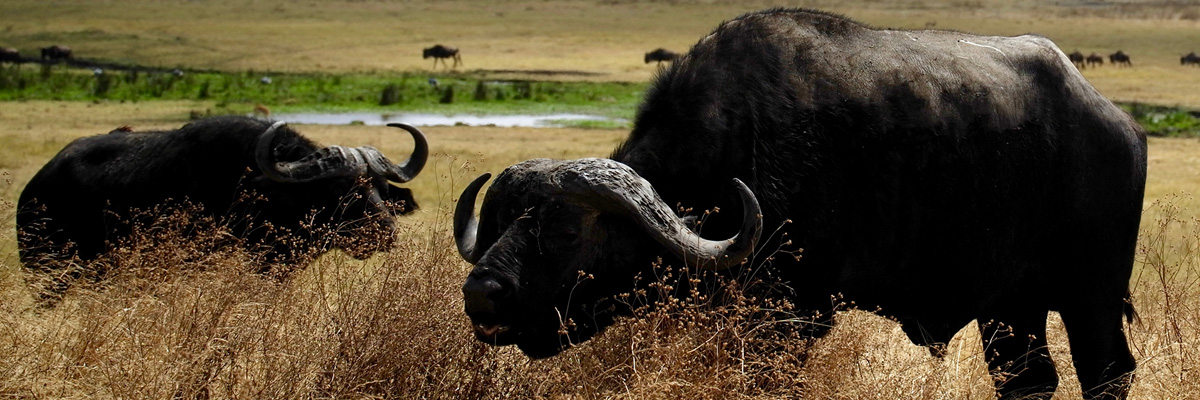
<point x="940" y="176"/>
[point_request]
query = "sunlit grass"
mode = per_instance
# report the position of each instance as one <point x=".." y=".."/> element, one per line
<point x="392" y="326"/>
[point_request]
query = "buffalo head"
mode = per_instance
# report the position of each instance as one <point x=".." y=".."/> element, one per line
<point x="556" y="240"/>
<point x="348" y="187"/>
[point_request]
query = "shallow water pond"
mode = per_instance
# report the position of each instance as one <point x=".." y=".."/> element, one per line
<point x="419" y="119"/>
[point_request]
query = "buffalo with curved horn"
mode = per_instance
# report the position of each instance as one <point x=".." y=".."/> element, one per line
<point x="610" y="197"/>
<point x="78" y="205"/>
<point x="938" y="177"/>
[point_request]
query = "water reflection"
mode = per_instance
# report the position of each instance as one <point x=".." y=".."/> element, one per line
<point x="417" y="119"/>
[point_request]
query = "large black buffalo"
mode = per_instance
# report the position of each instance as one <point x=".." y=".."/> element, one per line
<point x="266" y="179"/>
<point x="940" y="176"/>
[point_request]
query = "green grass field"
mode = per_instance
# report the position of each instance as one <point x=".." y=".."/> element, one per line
<point x="605" y="38"/>
<point x="170" y="326"/>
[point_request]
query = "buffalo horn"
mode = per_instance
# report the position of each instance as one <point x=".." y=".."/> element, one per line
<point x="339" y="161"/>
<point x="613" y="186"/>
<point x="465" y="224"/>
<point x="608" y="181"/>
<point x="408" y="169"/>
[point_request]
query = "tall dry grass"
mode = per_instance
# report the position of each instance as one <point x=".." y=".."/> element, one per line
<point x="182" y="317"/>
<point x="1166" y="339"/>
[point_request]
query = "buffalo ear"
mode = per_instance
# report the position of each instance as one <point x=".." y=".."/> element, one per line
<point x="402" y="198"/>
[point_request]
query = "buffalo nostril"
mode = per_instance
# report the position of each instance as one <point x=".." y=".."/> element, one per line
<point x="480" y="294"/>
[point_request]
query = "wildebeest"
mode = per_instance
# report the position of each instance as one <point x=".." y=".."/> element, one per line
<point x="56" y="53"/>
<point x="1076" y="58"/>
<point x="940" y="176"/>
<point x="9" y="54"/>
<point x="266" y="179"/>
<point x="1190" y="58"/>
<point x="660" y="55"/>
<point x="1095" y="60"/>
<point x="439" y="52"/>
<point x="1119" y="58"/>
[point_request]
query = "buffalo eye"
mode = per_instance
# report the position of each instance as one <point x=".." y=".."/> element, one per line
<point x="558" y="241"/>
<point x="561" y="227"/>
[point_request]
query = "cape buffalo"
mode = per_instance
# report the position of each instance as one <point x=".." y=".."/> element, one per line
<point x="1095" y="60"/>
<point x="939" y="176"/>
<point x="77" y="206"/>
<point x="439" y="52"/>
<point x="56" y="53"/>
<point x="660" y="55"/>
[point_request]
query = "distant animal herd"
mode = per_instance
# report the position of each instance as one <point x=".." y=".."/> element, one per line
<point x="52" y="54"/>
<point x="441" y="53"/>
<point x="661" y="55"/>
<point x="1120" y="59"/>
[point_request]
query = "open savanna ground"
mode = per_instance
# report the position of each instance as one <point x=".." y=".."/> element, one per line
<point x="605" y="40"/>
<point x="170" y="324"/>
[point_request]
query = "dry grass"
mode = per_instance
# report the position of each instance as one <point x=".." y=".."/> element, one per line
<point x="169" y="323"/>
<point x="166" y="326"/>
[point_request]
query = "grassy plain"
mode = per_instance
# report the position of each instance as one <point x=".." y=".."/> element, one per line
<point x="605" y="39"/>
<point x="170" y="326"/>
<point x="392" y="326"/>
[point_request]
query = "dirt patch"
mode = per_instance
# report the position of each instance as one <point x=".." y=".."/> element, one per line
<point x="539" y="72"/>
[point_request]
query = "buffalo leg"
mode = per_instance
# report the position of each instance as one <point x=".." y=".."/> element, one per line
<point x="1099" y="349"/>
<point x="1014" y="344"/>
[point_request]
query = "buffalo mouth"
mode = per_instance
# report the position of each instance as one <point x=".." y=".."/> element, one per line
<point x="534" y="343"/>
<point x="495" y="334"/>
